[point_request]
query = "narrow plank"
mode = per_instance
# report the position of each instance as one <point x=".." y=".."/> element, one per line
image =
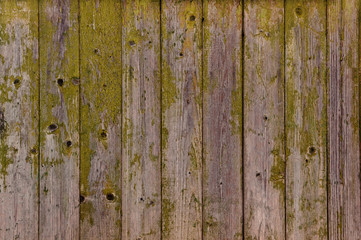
<point x="59" y="120"/>
<point x="181" y="119"/>
<point x="343" y="119"/>
<point x="264" y="158"/>
<point x="222" y="119"/>
<point x="306" y="108"/>
<point x="141" y="191"/>
<point x="19" y="99"/>
<point x="101" y="93"/>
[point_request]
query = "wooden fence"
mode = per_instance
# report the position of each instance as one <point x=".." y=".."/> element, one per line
<point x="140" y="119"/>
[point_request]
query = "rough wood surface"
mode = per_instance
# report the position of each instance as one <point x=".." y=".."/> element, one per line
<point x="59" y="120"/>
<point x="306" y="109"/>
<point x="141" y="120"/>
<point x="165" y="119"/>
<point x="101" y="97"/>
<point x="222" y="119"/>
<point x="344" y="206"/>
<point x="181" y="119"/>
<point x="264" y="158"/>
<point x="19" y="81"/>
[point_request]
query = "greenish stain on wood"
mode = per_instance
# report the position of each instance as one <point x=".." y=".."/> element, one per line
<point x="19" y="119"/>
<point x="222" y="119"/>
<point x="100" y="112"/>
<point x="59" y="118"/>
<point x="306" y="119"/>
<point x="264" y="140"/>
<point x="181" y="119"/>
<point x="141" y="120"/>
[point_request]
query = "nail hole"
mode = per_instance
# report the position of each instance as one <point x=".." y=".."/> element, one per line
<point x="258" y="174"/>
<point x="33" y="151"/>
<point x="68" y="143"/>
<point x="312" y="150"/>
<point x="306" y="160"/>
<point x="52" y="127"/>
<point x="298" y="11"/>
<point x="82" y="198"/>
<point x="192" y="18"/>
<point x="265" y="118"/>
<point x="131" y="43"/>
<point x="110" y="196"/>
<point x="141" y="199"/>
<point x="181" y="54"/>
<point x="16" y="81"/>
<point x="60" y="82"/>
<point x="103" y="134"/>
<point x="96" y="50"/>
<point x="202" y="19"/>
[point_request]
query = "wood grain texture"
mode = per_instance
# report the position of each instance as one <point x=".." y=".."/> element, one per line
<point x="264" y="158"/>
<point x="19" y="99"/>
<point x="344" y="207"/>
<point x="141" y="189"/>
<point x="306" y="127"/>
<point x="222" y="119"/>
<point x="101" y="93"/>
<point x="59" y="120"/>
<point x="181" y="119"/>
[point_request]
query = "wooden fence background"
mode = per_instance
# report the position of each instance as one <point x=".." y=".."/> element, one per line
<point x="140" y="119"/>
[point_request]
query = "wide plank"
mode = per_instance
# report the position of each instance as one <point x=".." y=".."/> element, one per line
<point x="141" y="191"/>
<point x="19" y="116"/>
<point x="101" y="97"/>
<point x="264" y="141"/>
<point x="222" y="120"/>
<point x="306" y="116"/>
<point x="181" y="119"/>
<point x="59" y="120"/>
<point x="344" y="197"/>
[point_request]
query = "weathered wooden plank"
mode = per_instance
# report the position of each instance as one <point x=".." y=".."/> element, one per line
<point x="19" y="100"/>
<point x="100" y="150"/>
<point x="343" y="119"/>
<point x="59" y="120"/>
<point x="141" y="191"/>
<point x="222" y="119"/>
<point x="264" y="158"/>
<point x="181" y="119"/>
<point x="306" y="188"/>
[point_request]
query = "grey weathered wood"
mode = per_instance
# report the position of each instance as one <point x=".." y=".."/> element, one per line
<point x="19" y="83"/>
<point x="306" y="127"/>
<point x="181" y="120"/>
<point x="100" y="165"/>
<point x="222" y="119"/>
<point x="264" y="158"/>
<point x="141" y="191"/>
<point x="59" y="120"/>
<point x="344" y="206"/>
